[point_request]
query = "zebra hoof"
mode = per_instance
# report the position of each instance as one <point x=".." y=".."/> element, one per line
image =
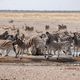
<point x="16" y="57"/>
<point x="45" y="56"/>
<point x="6" y="55"/>
<point x="73" y="55"/>
<point x="57" y="58"/>
<point x="20" y="58"/>
<point x="48" y="58"/>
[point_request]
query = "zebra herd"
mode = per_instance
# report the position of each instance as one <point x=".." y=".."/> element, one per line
<point x="47" y="44"/>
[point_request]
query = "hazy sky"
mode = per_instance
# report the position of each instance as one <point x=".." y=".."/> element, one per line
<point x="40" y="4"/>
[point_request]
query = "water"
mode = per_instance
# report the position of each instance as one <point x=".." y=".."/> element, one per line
<point x="11" y="53"/>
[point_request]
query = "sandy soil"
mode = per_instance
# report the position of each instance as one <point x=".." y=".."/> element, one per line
<point x="10" y="72"/>
<point x="37" y="68"/>
<point x="39" y="20"/>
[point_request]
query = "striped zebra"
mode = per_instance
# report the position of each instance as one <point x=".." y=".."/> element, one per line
<point x="37" y="44"/>
<point x="20" y="46"/>
<point x="76" y="40"/>
<point x="58" y="46"/>
<point x="6" y="45"/>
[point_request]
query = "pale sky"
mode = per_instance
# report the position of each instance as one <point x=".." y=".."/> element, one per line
<point x="40" y="5"/>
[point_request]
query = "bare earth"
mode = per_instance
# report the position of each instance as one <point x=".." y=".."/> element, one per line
<point x="37" y="68"/>
<point x="10" y="72"/>
<point x="31" y="69"/>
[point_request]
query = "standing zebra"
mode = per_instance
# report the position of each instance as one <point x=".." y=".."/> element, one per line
<point x="76" y="40"/>
<point x="53" y="44"/>
<point x="6" y="45"/>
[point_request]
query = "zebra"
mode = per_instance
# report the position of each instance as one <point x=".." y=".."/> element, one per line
<point x="4" y="35"/>
<point x="19" y="47"/>
<point x="56" y="45"/>
<point x="6" y="45"/>
<point x="39" y="43"/>
<point x="76" y="40"/>
<point x="62" y="27"/>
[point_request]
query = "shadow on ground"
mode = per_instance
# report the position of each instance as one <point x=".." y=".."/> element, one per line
<point x="36" y="60"/>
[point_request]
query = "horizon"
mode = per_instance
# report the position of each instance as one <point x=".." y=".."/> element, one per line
<point x="37" y="11"/>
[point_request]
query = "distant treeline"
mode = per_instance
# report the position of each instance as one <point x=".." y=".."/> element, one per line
<point x="42" y="11"/>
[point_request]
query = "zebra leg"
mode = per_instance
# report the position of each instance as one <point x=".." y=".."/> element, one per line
<point x="2" y="51"/>
<point x="54" y="52"/>
<point x="70" y="51"/>
<point x="65" y="52"/>
<point x="49" y="52"/>
<point x="27" y="51"/>
<point x="77" y="52"/>
<point x="45" y="55"/>
<point x="14" y="49"/>
<point x="7" y="52"/>
<point x="17" y="54"/>
<point x="22" y="52"/>
<point x="58" y="55"/>
<point x="74" y="51"/>
<point x="46" y="51"/>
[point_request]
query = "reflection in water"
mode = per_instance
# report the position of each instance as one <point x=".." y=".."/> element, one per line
<point x="11" y="53"/>
<point x="76" y="54"/>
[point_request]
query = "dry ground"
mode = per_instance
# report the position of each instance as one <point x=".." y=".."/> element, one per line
<point x="19" y="72"/>
<point x="37" y="68"/>
<point x="39" y="20"/>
